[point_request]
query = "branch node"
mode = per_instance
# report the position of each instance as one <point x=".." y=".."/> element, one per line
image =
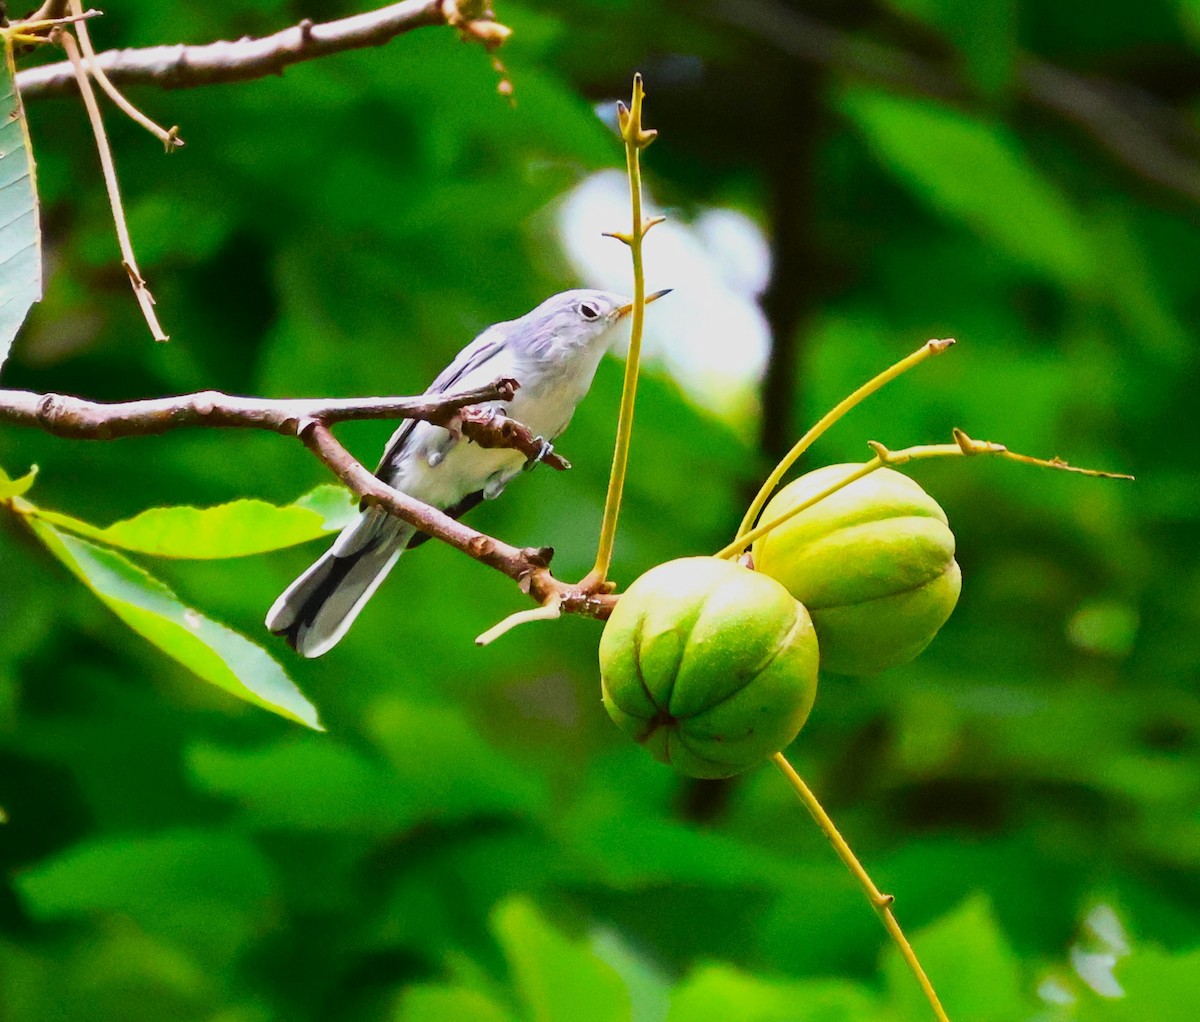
<point x="305" y="424"/>
<point x="538" y="556"/>
<point x="881" y="452"/>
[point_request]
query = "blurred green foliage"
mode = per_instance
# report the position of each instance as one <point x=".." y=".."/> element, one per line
<point x="472" y="839"/>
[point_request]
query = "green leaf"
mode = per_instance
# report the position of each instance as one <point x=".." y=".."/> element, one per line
<point x="560" y="980"/>
<point x="213" y="652"/>
<point x="975" y="972"/>
<point x="200" y="886"/>
<point x="447" y="770"/>
<point x="977" y="173"/>
<point x="440" y="1003"/>
<point x="237" y="529"/>
<point x="307" y="784"/>
<point x="721" y="993"/>
<point x="20" y="235"/>
<point x="16" y="487"/>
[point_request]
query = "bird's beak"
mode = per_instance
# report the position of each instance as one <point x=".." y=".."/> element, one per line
<point x="624" y="310"/>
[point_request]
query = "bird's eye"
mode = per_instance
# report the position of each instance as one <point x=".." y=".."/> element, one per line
<point x="589" y="311"/>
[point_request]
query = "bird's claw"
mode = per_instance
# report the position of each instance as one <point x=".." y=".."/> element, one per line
<point x="545" y="449"/>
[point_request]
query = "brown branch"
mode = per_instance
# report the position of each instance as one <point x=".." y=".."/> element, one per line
<point x="92" y="420"/>
<point x="183" y="67"/>
<point x="169" y="137"/>
<point x="529" y="567"/>
<point x="51" y="10"/>
<point x="489" y="429"/>
<point x="310" y="419"/>
<point x="144" y="298"/>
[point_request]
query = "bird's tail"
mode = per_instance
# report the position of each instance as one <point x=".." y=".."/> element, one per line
<point x="317" y="609"/>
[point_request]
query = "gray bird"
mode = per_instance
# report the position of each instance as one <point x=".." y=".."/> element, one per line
<point x="553" y="353"/>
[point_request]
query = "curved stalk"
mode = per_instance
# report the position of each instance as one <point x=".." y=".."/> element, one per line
<point x="636" y="139"/>
<point x="829" y="418"/>
<point x="880" y="902"/>
<point x="963" y="446"/>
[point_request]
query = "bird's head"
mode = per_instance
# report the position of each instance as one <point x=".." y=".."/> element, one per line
<point x="579" y="319"/>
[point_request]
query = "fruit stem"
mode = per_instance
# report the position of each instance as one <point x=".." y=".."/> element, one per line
<point x="880" y="902"/>
<point x="636" y="139"/>
<point x="963" y="446"/>
<point x="829" y="418"/>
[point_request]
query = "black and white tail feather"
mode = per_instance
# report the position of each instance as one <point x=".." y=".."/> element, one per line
<point x="317" y="609"/>
<point x="553" y="353"/>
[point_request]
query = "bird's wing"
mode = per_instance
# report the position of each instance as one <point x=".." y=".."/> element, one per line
<point x="474" y="355"/>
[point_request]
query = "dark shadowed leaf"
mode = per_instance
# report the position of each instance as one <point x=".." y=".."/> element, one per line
<point x="977" y="173"/>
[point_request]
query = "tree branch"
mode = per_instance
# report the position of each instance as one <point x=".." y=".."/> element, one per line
<point x="78" y="419"/>
<point x="529" y="567"/>
<point x="183" y="67"/>
<point x="309" y="419"/>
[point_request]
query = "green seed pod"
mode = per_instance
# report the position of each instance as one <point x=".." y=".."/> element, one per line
<point x="710" y="666"/>
<point x="873" y="563"/>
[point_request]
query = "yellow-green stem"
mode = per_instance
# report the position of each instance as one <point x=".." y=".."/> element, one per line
<point x="635" y="140"/>
<point x="832" y="416"/>
<point x="880" y="902"/>
<point x="963" y="446"/>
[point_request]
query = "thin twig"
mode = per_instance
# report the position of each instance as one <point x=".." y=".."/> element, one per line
<point x="128" y="259"/>
<point x="963" y="446"/>
<point x="78" y="419"/>
<point x="488" y="428"/>
<point x="549" y="611"/>
<point x="880" y="902"/>
<point x="182" y="67"/>
<point x="528" y="567"/>
<point x="309" y="420"/>
<point x="51" y="10"/>
<point x="169" y="137"/>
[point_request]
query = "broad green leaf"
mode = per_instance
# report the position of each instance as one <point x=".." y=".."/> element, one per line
<point x="443" y="1003"/>
<point x="977" y="173"/>
<point x="213" y="652"/>
<point x="20" y="232"/>
<point x="975" y="972"/>
<point x="201" y="886"/>
<point x="16" y="487"/>
<point x="307" y="784"/>
<point x="559" y="979"/>
<point x="722" y="993"/>
<point x="237" y="529"/>
<point x="447" y="770"/>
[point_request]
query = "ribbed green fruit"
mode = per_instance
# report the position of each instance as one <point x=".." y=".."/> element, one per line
<point x="873" y="563"/>
<point x="708" y="665"/>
